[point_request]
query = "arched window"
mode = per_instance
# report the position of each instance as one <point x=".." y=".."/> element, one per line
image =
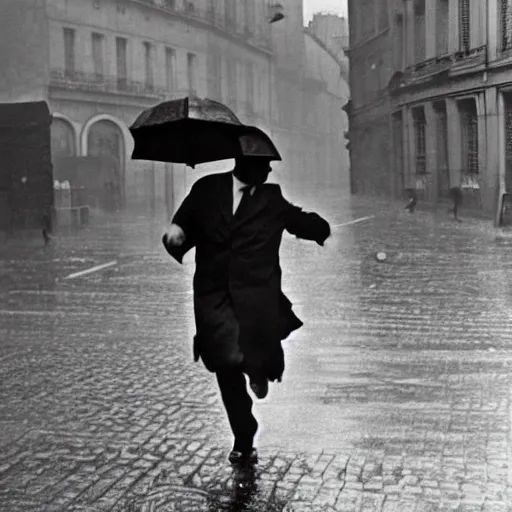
<point x="63" y="139"/>
<point x="105" y="140"/>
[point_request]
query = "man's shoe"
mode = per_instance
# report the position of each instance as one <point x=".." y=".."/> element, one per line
<point x="236" y="457"/>
<point x="259" y="388"/>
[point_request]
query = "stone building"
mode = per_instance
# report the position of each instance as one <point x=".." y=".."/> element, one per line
<point x="100" y="62"/>
<point x="431" y="105"/>
<point x="326" y="91"/>
<point x="332" y="30"/>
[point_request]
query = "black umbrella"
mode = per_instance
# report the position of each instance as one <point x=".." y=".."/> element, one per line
<point x="195" y="130"/>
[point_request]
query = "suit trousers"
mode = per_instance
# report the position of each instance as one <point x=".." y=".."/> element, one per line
<point x="238" y="405"/>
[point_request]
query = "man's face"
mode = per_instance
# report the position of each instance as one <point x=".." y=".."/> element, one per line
<point x="253" y="171"/>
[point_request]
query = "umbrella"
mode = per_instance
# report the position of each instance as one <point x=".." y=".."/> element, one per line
<point x="255" y="142"/>
<point x="196" y="130"/>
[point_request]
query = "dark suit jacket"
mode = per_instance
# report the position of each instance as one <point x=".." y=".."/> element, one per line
<point x="240" y="310"/>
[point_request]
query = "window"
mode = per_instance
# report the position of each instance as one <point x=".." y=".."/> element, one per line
<point x="170" y="69"/>
<point x="464" y="25"/>
<point x="506" y="24"/>
<point x="419" y="31"/>
<point x="215" y="76"/>
<point x="398" y="151"/>
<point x="420" y="141"/>
<point x="250" y="16"/>
<point x="230" y="13"/>
<point x="121" y="62"/>
<point x="232" y="84"/>
<point x="169" y="4"/>
<point x="249" y="84"/>
<point x="69" y="51"/>
<point x="469" y="121"/>
<point x="508" y="142"/>
<point x="399" y="35"/>
<point x="210" y="9"/>
<point x="366" y="23"/>
<point x="98" y="41"/>
<point x="442" y="27"/>
<point x="191" y="73"/>
<point x="148" y="64"/>
<point x="383" y="14"/>
<point x="443" y="170"/>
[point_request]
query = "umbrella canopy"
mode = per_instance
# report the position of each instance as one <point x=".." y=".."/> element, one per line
<point x="255" y="142"/>
<point x="195" y="130"/>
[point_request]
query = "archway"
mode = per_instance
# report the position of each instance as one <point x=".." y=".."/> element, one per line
<point x="63" y="139"/>
<point x="106" y="142"/>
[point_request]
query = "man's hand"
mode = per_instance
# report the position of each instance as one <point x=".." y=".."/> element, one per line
<point x="175" y="236"/>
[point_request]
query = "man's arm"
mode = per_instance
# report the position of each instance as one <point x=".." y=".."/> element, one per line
<point x="305" y="225"/>
<point x="179" y="238"/>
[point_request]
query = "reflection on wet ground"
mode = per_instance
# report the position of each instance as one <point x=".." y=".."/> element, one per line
<point x="396" y="394"/>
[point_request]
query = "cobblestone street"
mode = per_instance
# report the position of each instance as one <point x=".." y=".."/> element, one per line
<point x="396" y="395"/>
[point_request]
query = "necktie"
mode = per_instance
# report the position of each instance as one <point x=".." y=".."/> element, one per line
<point x="246" y="196"/>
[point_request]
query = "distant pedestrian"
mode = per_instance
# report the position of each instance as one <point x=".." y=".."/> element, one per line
<point x="456" y="197"/>
<point x="236" y="221"/>
<point x="413" y="200"/>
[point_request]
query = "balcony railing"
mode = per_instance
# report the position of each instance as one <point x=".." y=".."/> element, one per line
<point x="92" y="82"/>
<point x="212" y="17"/>
<point x="470" y="54"/>
<point x="428" y="67"/>
<point x="459" y="59"/>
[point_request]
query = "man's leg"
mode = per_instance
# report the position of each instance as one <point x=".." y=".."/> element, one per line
<point x="238" y="405"/>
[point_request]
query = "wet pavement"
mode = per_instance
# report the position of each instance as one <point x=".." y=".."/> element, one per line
<point x="396" y="395"/>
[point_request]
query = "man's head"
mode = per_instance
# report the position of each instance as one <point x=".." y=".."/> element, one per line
<point x="252" y="170"/>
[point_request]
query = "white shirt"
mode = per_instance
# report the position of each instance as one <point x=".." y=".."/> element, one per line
<point x="238" y="187"/>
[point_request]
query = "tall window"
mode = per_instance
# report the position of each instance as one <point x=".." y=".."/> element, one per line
<point x="250" y="16"/>
<point x="506" y="24"/>
<point x="443" y="171"/>
<point x="383" y="14"/>
<point x="121" y="62"/>
<point x="398" y="151"/>
<point x="191" y="73"/>
<point x="398" y="43"/>
<point x="366" y="21"/>
<point x="210" y="9"/>
<point x="98" y="44"/>
<point x="215" y="76"/>
<point x="148" y="64"/>
<point x="170" y="69"/>
<point x="464" y="25"/>
<point x="469" y="125"/>
<point x="420" y="141"/>
<point x="232" y="84"/>
<point x="508" y="142"/>
<point x="69" y="51"/>
<point x="419" y="31"/>
<point x="230" y="13"/>
<point x="442" y="27"/>
<point x="249" y="85"/>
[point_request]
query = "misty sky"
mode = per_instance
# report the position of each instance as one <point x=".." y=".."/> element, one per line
<point x="312" y="6"/>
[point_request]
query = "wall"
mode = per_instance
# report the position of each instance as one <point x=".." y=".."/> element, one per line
<point x="23" y="50"/>
<point x="371" y="69"/>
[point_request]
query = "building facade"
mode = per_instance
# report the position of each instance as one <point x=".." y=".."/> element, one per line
<point x="431" y="80"/>
<point x="101" y="62"/>
<point x="332" y="30"/>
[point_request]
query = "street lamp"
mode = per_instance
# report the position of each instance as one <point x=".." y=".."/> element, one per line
<point x="275" y="12"/>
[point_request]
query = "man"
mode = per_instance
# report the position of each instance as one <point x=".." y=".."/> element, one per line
<point x="236" y="221"/>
